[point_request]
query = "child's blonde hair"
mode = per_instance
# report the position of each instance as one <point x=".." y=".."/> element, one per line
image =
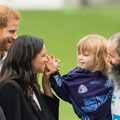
<point x="97" y="45"/>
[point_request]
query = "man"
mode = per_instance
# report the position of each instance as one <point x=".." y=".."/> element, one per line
<point x="113" y="49"/>
<point x="9" y="23"/>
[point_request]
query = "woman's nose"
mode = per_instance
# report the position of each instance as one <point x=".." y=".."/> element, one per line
<point x="46" y="58"/>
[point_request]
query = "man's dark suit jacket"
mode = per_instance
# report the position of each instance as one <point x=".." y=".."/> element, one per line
<point x="15" y="106"/>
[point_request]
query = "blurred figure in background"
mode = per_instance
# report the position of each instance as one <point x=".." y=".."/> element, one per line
<point x="113" y="49"/>
<point x="87" y="87"/>
<point x="20" y="95"/>
<point x="9" y="23"/>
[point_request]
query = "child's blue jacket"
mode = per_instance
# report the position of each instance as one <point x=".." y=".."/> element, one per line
<point x="89" y="93"/>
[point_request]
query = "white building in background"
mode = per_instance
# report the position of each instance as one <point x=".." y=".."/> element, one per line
<point x="35" y="4"/>
<point x="41" y="4"/>
<point x="54" y="4"/>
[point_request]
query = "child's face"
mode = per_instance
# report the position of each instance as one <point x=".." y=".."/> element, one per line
<point x="86" y="60"/>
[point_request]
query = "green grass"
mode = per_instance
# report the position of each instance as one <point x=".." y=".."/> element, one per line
<point x="61" y="31"/>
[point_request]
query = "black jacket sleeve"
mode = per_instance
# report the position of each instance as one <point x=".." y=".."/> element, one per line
<point x="2" y="116"/>
<point x="10" y="101"/>
<point x="54" y="106"/>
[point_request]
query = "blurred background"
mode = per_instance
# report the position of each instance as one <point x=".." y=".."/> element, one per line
<point x="62" y="23"/>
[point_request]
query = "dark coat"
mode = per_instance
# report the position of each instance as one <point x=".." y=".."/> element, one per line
<point x="2" y="117"/>
<point x="15" y="106"/>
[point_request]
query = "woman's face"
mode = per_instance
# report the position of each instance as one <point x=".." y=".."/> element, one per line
<point x="38" y="63"/>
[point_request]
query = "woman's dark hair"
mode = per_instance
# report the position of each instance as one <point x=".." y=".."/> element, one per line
<point x="17" y="65"/>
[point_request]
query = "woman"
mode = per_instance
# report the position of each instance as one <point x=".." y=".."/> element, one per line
<point x="20" y="95"/>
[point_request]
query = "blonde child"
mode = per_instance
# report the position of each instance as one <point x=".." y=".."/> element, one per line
<point x="87" y="87"/>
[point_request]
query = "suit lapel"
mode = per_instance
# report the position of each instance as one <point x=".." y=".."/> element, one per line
<point x="42" y="115"/>
<point x="39" y="114"/>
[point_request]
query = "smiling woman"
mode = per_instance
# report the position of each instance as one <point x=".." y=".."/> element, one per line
<point x="18" y="79"/>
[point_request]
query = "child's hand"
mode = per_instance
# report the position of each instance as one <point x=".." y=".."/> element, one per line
<point x="51" y="66"/>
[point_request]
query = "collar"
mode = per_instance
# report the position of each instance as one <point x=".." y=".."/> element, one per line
<point x="3" y="56"/>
